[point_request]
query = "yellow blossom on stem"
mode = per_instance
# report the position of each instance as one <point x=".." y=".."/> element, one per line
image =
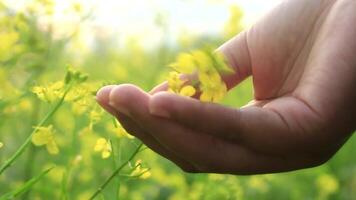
<point x="102" y="145"/>
<point x="45" y="136"/>
<point x="49" y="93"/>
<point x="140" y="171"/>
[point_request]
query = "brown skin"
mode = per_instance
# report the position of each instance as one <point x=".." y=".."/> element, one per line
<point x="302" y="57"/>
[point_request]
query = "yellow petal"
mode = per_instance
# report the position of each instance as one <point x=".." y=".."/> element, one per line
<point x="174" y="82"/>
<point x="136" y="172"/>
<point x="220" y="93"/>
<point x="105" y="154"/>
<point x="206" y="96"/>
<point x="203" y="78"/>
<point x="1" y="145"/>
<point x="185" y="63"/>
<point x="41" y="138"/>
<point x="187" y="91"/>
<point x="100" y="144"/>
<point x="52" y="147"/>
<point x="203" y="61"/>
<point x="145" y="175"/>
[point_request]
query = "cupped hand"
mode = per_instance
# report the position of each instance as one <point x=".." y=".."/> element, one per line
<point x="302" y="60"/>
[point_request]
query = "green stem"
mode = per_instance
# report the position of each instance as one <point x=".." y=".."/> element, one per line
<point x="116" y="172"/>
<point x="22" y="148"/>
<point x="117" y="182"/>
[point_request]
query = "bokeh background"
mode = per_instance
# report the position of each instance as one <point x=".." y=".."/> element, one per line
<point x="117" y="41"/>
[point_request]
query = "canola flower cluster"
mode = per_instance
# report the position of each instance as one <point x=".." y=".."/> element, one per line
<point x="62" y="116"/>
<point x="205" y="69"/>
<point x="58" y="91"/>
<point x="80" y="96"/>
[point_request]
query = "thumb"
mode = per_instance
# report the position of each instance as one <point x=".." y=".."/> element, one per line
<point x="236" y="51"/>
<point x="238" y="57"/>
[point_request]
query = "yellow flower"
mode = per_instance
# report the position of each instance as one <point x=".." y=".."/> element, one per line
<point x="213" y="89"/>
<point x="208" y="65"/>
<point x="102" y="145"/>
<point x="187" y="91"/>
<point x="175" y="85"/>
<point x="185" y="64"/>
<point x="94" y="117"/>
<point x="45" y="136"/>
<point x="204" y="61"/>
<point x="139" y="171"/>
<point x="174" y="82"/>
<point x="49" y="93"/>
<point x="327" y="185"/>
<point x="1" y="145"/>
<point x="8" y="40"/>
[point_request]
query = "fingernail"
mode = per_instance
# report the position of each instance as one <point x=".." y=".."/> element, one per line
<point x="119" y="108"/>
<point x="158" y="111"/>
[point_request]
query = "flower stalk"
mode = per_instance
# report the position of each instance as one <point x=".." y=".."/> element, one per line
<point x="22" y="148"/>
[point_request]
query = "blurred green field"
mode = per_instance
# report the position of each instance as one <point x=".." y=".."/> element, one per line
<point x="32" y="55"/>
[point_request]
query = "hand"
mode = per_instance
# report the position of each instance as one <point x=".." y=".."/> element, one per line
<point x="302" y="60"/>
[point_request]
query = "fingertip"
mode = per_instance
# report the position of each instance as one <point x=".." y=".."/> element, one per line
<point x="102" y="96"/>
<point x="124" y="97"/>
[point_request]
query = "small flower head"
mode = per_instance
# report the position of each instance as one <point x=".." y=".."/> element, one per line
<point x="187" y="91"/>
<point x="208" y="67"/>
<point x="1" y="145"/>
<point x="185" y="64"/>
<point x="45" y="136"/>
<point x="102" y="145"/>
<point x="212" y="88"/>
<point x="140" y="171"/>
<point x="49" y="93"/>
<point x="174" y="82"/>
<point x="176" y="85"/>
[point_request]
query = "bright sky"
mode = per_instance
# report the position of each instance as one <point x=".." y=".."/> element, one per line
<point x="127" y="18"/>
<point x="136" y="17"/>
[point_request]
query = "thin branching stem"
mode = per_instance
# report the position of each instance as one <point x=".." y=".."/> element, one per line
<point x="116" y="172"/>
<point x="22" y="148"/>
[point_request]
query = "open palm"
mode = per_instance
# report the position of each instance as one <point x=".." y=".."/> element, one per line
<point x="301" y="59"/>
